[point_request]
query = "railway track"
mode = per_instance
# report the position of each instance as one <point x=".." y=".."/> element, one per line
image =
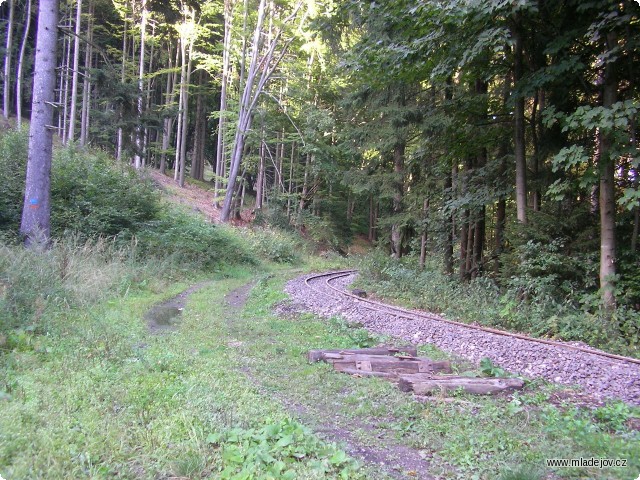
<point x="600" y="373"/>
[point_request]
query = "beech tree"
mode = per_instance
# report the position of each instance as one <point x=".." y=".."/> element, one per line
<point x="266" y="55"/>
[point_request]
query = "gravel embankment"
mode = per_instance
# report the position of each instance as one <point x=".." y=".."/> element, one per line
<point x="599" y="376"/>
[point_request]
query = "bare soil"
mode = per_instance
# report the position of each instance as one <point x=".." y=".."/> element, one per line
<point x="197" y="198"/>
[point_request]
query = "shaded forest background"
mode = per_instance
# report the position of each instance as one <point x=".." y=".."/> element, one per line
<point x="488" y="147"/>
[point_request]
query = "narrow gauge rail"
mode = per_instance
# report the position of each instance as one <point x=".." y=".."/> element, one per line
<point x="601" y="374"/>
<point x="412" y="314"/>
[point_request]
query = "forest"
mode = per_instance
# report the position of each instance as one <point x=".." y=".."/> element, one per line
<point x="473" y="158"/>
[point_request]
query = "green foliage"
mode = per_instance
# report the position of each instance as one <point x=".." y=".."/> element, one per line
<point x="187" y="241"/>
<point x="522" y="473"/>
<point x="93" y="196"/>
<point x="273" y="216"/>
<point x="13" y="163"/>
<point x="488" y="369"/>
<point x="274" y="450"/>
<point x="614" y="416"/>
<point x="359" y="337"/>
<point x="533" y="303"/>
<point x="276" y="245"/>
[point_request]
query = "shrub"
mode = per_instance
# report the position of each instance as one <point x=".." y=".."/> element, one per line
<point x="275" y="245"/>
<point x="92" y="196"/>
<point x="186" y="240"/>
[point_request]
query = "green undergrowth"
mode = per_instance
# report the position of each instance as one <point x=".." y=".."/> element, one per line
<point x="101" y="397"/>
<point x="481" y="301"/>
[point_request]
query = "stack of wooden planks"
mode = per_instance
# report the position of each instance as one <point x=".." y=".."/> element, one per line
<point x="420" y="375"/>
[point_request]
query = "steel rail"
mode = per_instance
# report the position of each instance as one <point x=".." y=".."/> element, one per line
<point x="411" y="315"/>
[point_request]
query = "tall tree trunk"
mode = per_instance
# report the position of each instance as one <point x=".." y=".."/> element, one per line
<point x="65" y="85"/>
<point x="220" y="144"/>
<point x="123" y="71"/>
<point x="398" y="170"/>
<point x="251" y="91"/>
<point x="607" y="188"/>
<point x="519" y="130"/>
<point x="8" y="55"/>
<point x="35" y="225"/>
<point x="86" y="88"/>
<point x="305" y="189"/>
<point x="170" y="97"/>
<point x="466" y="227"/>
<point x="290" y="183"/>
<point x="23" y="48"/>
<point x="197" y="162"/>
<point x="538" y="105"/>
<point x="74" y="74"/>
<point x="185" y="117"/>
<point x="139" y="128"/>
<point x="372" y="219"/>
<point x="261" y="174"/>
<point x="448" y="223"/>
<point x="423" y="237"/>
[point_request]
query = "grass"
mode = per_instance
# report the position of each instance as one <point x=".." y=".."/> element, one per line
<point x="229" y="394"/>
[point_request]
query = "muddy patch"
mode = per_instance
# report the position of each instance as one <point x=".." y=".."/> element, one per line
<point x="165" y="317"/>
<point x="236" y="299"/>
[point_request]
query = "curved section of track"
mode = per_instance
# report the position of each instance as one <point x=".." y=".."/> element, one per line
<point x="599" y="373"/>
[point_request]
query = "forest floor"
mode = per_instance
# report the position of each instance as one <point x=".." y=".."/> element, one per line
<point x="196" y="195"/>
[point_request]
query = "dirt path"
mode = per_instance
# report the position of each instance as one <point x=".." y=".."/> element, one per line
<point x="386" y="455"/>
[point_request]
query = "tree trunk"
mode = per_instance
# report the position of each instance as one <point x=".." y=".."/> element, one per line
<point x="260" y="180"/>
<point x="538" y="104"/>
<point x="23" y="48"/>
<point x="466" y="230"/>
<point x="396" y="228"/>
<point x="74" y="74"/>
<point x="197" y="162"/>
<point x="423" y="238"/>
<point x="64" y="71"/>
<point x="220" y="146"/>
<point x="290" y="183"/>
<point x="167" y="130"/>
<point x="305" y="189"/>
<point x="35" y="225"/>
<point x="448" y="223"/>
<point x="123" y="70"/>
<point x="447" y="197"/>
<point x="185" y="117"/>
<point x="251" y="91"/>
<point x="139" y="140"/>
<point x="607" y="189"/>
<point x="8" y="55"/>
<point x="86" y="88"/>
<point x="519" y="133"/>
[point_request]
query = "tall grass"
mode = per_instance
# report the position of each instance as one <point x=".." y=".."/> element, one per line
<point x="35" y="284"/>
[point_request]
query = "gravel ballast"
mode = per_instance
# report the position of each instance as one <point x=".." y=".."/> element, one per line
<point x="599" y="376"/>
